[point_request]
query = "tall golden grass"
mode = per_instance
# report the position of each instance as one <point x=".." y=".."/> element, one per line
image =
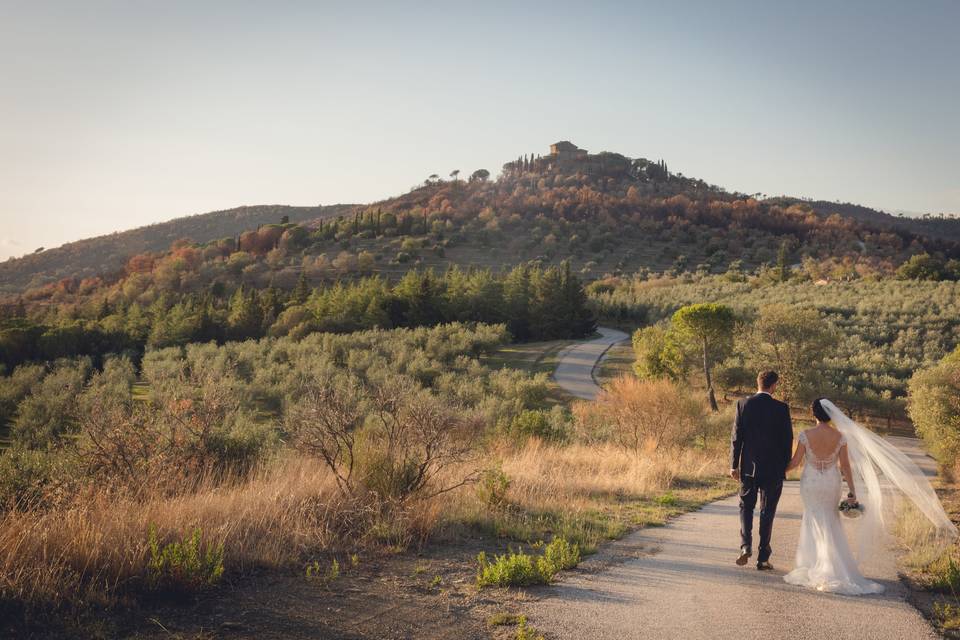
<point x="94" y="547"/>
<point x="546" y="476"/>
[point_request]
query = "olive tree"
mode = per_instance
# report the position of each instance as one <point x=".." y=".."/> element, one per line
<point x="792" y="340"/>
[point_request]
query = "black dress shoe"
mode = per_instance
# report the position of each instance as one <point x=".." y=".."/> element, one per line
<point x="743" y="557"/>
<point x="764" y="566"/>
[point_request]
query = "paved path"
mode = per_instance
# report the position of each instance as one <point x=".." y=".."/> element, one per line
<point x="574" y="371"/>
<point x="680" y="581"/>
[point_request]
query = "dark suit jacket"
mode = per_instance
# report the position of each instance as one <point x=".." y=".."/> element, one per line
<point x="762" y="439"/>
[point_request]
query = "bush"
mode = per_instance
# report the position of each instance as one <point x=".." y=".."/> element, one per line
<point x="396" y="439"/>
<point x="536" y="423"/>
<point x="525" y="631"/>
<point x="492" y="488"/>
<point x="513" y="569"/>
<point x="934" y="406"/>
<point x="518" y="569"/>
<point x="187" y="563"/>
<point x="639" y="414"/>
<point x="659" y="354"/>
<point x="24" y="476"/>
<point x="49" y="411"/>
<point x="557" y="556"/>
<point x="15" y="387"/>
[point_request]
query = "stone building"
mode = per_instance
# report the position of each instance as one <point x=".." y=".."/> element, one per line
<point x="565" y="149"/>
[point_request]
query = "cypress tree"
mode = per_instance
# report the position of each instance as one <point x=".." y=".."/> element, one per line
<point x="300" y="292"/>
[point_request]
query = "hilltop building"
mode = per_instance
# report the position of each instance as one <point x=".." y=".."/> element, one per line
<point x="565" y="150"/>
<point x="567" y="158"/>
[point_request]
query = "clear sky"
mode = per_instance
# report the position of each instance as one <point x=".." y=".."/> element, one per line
<point x="119" y="114"/>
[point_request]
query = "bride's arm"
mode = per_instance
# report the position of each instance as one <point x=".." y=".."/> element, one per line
<point x="845" y="470"/>
<point x="797" y="456"/>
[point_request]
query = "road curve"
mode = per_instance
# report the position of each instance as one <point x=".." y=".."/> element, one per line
<point x="574" y="372"/>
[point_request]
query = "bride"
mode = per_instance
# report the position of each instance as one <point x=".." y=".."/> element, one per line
<point x="838" y="445"/>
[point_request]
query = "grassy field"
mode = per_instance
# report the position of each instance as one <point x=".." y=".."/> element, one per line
<point x="532" y="357"/>
<point x="288" y="512"/>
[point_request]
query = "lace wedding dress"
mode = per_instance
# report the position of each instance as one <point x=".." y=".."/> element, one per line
<point x="824" y="559"/>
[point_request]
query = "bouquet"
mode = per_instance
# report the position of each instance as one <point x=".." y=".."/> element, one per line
<point x="851" y="508"/>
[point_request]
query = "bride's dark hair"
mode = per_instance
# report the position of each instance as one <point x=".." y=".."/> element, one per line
<point x="819" y="412"/>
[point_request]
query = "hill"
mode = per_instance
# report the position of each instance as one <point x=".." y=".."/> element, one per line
<point x="105" y="254"/>
<point x="931" y="226"/>
<point x="605" y="213"/>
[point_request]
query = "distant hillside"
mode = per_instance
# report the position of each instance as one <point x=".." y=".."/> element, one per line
<point x="930" y="226"/>
<point x="105" y="254"/>
<point x="604" y="212"/>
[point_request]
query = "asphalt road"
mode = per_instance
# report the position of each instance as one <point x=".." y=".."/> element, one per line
<point x="573" y="372"/>
<point x="680" y="581"/>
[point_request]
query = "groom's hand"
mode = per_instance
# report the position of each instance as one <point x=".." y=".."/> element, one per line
<point x="735" y="474"/>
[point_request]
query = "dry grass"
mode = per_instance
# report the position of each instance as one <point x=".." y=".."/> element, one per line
<point x="97" y="547"/>
<point x="588" y="493"/>
<point x="577" y="475"/>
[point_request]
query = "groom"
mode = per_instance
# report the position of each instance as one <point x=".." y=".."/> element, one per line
<point x="762" y="444"/>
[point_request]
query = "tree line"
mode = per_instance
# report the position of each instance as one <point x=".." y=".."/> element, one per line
<point x="535" y="303"/>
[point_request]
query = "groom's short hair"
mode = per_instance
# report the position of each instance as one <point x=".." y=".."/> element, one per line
<point x="767" y="379"/>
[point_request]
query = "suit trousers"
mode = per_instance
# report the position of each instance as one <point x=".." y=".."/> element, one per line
<point x="769" y="492"/>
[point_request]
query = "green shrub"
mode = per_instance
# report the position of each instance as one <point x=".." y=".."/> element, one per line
<point x="667" y="500"/>
<point x="525" y="632"/>
<point x="513" y="569"/>
<point x="538" y="424"/>
<point x="316" y="572"/>
<point x="519" y="569"/>
<point x="492" y="488"/>
<point x="560" y="554"/>
<point x="935" y="410"/>
<point x="185" y="563"/>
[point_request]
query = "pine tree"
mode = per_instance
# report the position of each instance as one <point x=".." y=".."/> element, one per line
<point x="581" y="320"/>
<point x="245" y="318"/>
<point x="300" y="292"/>
<point x="207" y="327"/>
<point x="783" y="270"/>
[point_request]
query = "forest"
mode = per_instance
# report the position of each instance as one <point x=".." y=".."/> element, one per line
<point x="535" y="304"/>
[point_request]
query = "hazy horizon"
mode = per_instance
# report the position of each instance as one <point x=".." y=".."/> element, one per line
<point x="114" y="116"/>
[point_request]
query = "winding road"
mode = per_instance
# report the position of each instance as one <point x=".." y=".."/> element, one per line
<point x="680" y="581"/>
<point x="574" y="372"/>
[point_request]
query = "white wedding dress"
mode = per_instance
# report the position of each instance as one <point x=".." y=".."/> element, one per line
<point x="824" y="559"/>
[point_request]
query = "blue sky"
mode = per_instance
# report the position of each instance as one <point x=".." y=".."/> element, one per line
<point x="119" y="114"/>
